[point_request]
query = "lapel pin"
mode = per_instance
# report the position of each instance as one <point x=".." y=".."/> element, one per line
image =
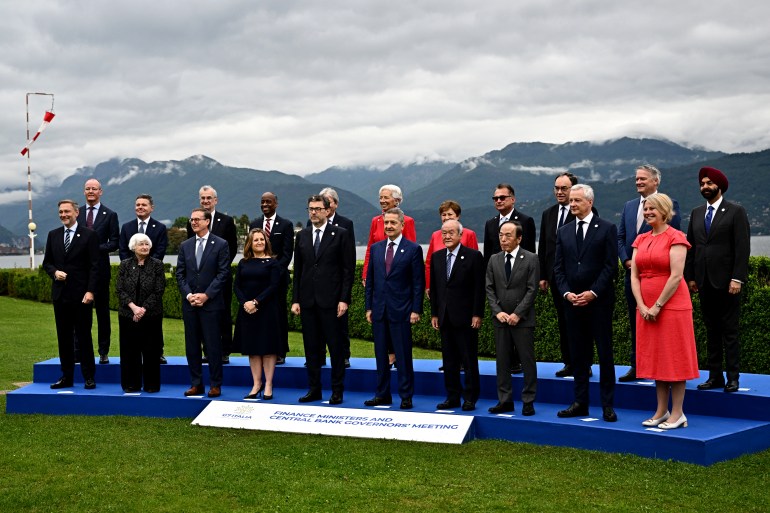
<point x="462" y="258"/>
<point x="332" y="233"/>
<point x="78" y="235"/>
<point x="402" y="251"/>
<point x="596" y="226"/>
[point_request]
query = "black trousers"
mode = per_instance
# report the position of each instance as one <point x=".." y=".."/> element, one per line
<point x="721" y="314"/>
<point x="140" y="349"/>
<point x="320" y="327"/>
<point x="589" y="324"/>
<point x="74" y="318"/>
<point x="460" y="347"/>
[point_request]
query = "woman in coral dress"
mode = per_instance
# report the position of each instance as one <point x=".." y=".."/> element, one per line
<point x="664" y="330"/>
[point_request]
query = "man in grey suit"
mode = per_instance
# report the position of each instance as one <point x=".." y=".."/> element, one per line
<point x="717" y="266"/>
<point x="202" y="270"/>
<point x="511" y="285"/>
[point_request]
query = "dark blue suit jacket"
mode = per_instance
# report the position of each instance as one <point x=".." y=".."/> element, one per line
<point x="106" y="227"/>
<point x="155" y="230"/>
<point x="210" y="278"/>
<point x="627" y="227"/>
<point x="400" y="292"/>
<point x="81" y="263"/>
<point x="594" y="267"/>
<point x="326" y="279"/>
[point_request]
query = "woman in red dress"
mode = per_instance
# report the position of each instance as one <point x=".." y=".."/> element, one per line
<point x="664" y="330"/>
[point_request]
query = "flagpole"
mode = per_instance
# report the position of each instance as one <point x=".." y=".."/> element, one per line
<point x="31" y="225"/>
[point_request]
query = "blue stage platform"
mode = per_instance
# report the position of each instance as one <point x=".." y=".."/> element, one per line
<point x="721" y="426"/>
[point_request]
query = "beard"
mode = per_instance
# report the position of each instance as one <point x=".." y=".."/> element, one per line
<point x="709" y="193"/>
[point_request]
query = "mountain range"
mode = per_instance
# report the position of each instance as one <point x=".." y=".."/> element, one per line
<point x="531" y="167"/>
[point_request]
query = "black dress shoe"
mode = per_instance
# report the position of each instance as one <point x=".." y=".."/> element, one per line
<point x="90" y="384"/>
<point x="336" y="398"/>
<point x="448" y="405"/>
<point x="163" y="360"/>
<point x="103" y="359"/>
<point x="310" y="397"/>
<point x="131" y="390"/>
<point x="516" y="369"/>
<point x="280" y="360"/>
<point x="226" y="359"/>
<point x="564" y="372"/>
<point x="731" y="386"/>
<point x="528" y="409"/>
<point x="378" y="401"/>
<point x="628" y="376"/>
<point x="469" y="406"/>
<point x="574" y="410"/>
<point x="152" y="390"/>
<point x="406" y="404"/>
<point x="711" y="383"/>
<point x="501" y="408"/>
<point x="62" y="383"/>
<point x="347" y="363"/>
<point x="205" y="359"/>
<point x="608" y="414"/>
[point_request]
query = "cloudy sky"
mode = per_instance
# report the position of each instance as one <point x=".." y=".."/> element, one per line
<point x="299" y="86"/>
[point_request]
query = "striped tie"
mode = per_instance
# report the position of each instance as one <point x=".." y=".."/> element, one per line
<point x="67" y="240"/>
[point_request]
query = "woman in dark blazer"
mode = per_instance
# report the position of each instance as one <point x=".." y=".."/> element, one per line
<point x="140" y="285"/>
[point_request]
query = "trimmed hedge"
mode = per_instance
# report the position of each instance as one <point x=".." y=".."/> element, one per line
<point x="754" y="328"/>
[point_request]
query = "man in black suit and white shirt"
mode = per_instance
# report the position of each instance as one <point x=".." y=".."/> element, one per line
<point x="72" y="261"/>
<point x="99" y="218"/>
<point x="504" y="198"/>
<point x="324" y="263"/>
<point x="281" y="234"/>
<point x="717" y="266"/>
<point x="457" y="306"/>
<point x="203" y="267"/>
<point x="155" y="230"/>
<point x="585" y="269"/>
<point x="223" y="226"/>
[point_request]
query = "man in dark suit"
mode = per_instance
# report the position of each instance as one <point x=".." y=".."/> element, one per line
<point x="511" y="288"/>
<point x="717" y="266"/>
<point x="585" y="268"/>
<point x="223" y="226"/>
<point x="631" y="224"/>
<point x="457" y="306"/>
<point x="324" y="263"/>
<point x="338" y="220"/>
<point x="202" y="269"/>
<point x="554" y="218"/>
<point x="504" y="199"/>
<point x="155" y="230"/>
<point x="395" y="281"/>
<point x="281" y="234"/>
<point x="72" y="261"/>
<point x="97" y="217"/>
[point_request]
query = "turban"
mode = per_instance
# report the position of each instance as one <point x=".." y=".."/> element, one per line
<point x="716" y="176"/>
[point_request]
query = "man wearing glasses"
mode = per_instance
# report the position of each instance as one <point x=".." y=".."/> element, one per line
<point x="203" y="267"/>
<point x="505" y="199"/>
<point x="324" y="264"/>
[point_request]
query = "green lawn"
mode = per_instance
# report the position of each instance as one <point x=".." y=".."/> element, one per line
<point x="95" y="464"/>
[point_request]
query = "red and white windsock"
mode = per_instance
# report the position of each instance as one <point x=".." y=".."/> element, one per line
<point x="46" y="121"/>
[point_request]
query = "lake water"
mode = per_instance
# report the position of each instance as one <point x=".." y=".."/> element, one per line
<point x="760" y="246"/>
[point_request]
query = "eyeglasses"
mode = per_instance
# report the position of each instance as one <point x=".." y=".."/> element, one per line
<point x="501" y="198"/>
<point x="197" y="219"/>
<point x="561" y="189"/>
<point x="315" y="209"/>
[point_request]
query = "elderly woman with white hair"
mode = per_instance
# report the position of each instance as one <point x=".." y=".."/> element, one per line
<point x="140" y="286"/>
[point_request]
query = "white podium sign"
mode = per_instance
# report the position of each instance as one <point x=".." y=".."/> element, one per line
<point x="358" y="423"/>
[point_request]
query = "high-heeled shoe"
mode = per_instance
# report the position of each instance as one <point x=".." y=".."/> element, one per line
<point x="653" y="422"/>
<point x="682" y="422"/>
<point x="256" y="394"/>
<point x="266" y="397"/>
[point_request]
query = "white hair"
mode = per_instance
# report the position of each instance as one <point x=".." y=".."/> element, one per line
<point x="136" y="239"/>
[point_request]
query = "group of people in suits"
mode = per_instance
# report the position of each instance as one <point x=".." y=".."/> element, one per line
<point x="576" y="258"/>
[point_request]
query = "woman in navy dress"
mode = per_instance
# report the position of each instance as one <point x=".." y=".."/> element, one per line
<point x="256" y="327"/>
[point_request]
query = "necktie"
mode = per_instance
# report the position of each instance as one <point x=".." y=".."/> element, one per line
<point x="67" y="239"/>
<point x="90" y="218"/>
<point x="267" y="228"/>
<point x="709" y="217"/>
<point x="141" y="226"/>
<point x="317" y="243"/>
<point x="448" y="264"/>
<point x="562" y="218"/>
<point x="508" y="266"/>
<point x="640" y="216"/>
<point x="389" y="257"/>
<point x="199" y="251"/>
<point x="579" y="235"/>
